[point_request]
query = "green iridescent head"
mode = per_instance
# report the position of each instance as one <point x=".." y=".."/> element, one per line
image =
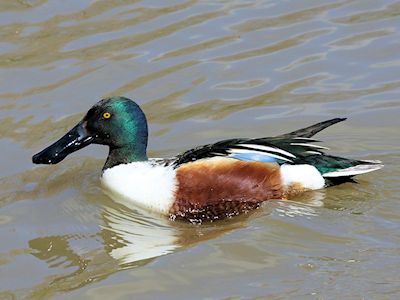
<point x="117" y="122"/>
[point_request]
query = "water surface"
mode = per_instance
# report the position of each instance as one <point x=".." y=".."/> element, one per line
<point x="202" y="71"/>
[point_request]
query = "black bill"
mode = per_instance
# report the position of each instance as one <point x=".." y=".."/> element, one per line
<point x="77" y="138"/>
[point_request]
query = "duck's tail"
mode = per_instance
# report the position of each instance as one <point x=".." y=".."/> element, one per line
<point x="333" y="166"/>
<point x="362" y="166"/>
<point x="339" y="176"/>
<point x="339" y="169"/>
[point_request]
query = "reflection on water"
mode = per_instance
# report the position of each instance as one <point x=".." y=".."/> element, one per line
<point x="134" y="236"/>
<point x="127" y="239"/>
<point x="202" y="71"/>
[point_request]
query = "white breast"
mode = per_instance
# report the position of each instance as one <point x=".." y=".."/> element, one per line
<point x="146" y="184"/>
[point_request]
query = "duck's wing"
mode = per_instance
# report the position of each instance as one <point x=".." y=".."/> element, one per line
<point x="269" y="149"/>
<point x="287" y="148"/>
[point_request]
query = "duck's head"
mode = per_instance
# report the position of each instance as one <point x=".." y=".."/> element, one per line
<point x="117" y="122"/>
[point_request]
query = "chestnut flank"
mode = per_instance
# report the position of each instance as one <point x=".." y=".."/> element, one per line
<point x="216" y="188"/>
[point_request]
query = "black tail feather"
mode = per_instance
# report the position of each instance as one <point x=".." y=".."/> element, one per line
<point x="313" y="129"/>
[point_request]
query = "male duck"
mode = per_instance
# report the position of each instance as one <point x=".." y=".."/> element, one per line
<point x="208" y="182"/>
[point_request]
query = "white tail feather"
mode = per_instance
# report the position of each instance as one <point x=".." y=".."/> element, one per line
<point x="373" y="161"/>
<point x="356" y="170"/>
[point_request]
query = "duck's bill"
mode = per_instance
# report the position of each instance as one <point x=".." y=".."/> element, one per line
<point x="77" y="138"/>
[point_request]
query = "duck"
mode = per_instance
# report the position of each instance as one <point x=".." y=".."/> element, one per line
<point x="209" y="182"/>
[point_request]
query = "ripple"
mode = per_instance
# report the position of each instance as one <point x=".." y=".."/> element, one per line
<point x="199" y="47"/>
<point x="361" y="39"/>
<point x="287" y="19"/>
<point x="285" y="44"/>
<point x="390" y="11"/>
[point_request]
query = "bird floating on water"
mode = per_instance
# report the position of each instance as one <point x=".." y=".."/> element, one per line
<point x="208" y="182"/>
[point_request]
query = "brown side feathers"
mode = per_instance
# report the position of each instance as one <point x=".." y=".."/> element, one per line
<point x="216" y="188"/>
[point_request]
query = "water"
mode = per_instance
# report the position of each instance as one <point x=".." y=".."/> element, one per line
<point x="202" y="71"/>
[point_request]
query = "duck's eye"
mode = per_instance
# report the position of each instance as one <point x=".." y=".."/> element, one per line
<point x="106" y="115"/>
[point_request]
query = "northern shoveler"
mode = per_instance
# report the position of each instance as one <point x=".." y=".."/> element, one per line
<point x="208" y="182"/>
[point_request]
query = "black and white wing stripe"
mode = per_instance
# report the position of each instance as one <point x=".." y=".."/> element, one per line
<point x="274" y="149"/>
<point x="295" y="147"/>
<point x="256" y="152"/>
<point x="308" y="148"/>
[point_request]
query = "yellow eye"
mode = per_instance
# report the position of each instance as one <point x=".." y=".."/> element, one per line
<point x="106" y="115"/>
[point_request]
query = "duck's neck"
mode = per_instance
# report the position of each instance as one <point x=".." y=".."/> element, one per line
<point x="133" y="149"/>
<point x="124" y="155"/>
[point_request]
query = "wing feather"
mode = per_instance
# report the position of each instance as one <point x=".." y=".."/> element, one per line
<point x="250" y="154"/>
<point x="293" y="148"/>
<point x="268" y="149"/>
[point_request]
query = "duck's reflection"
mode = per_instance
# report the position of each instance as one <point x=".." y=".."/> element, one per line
<point x="129" y="238"/>
<point x="305" y="204"/>
<point x="131" y="235"/>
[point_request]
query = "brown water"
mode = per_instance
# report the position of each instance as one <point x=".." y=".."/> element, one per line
<point x="202" y="71"/>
